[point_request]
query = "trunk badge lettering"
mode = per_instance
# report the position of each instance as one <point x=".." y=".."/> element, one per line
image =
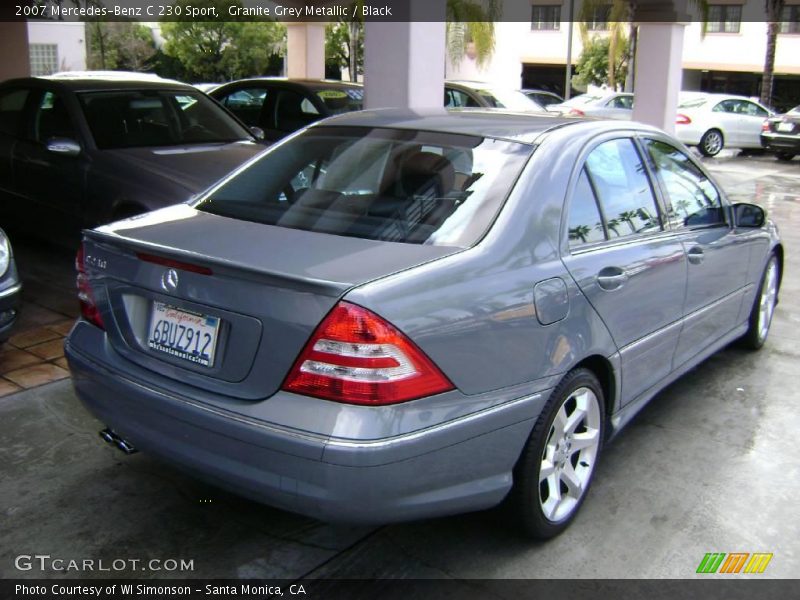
<point x="169" y="280"/>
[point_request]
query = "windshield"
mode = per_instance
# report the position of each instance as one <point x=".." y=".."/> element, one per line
<point x="510" y="99"/>
<point x="131" y="118"/>
<point x="340" y="100"/>
<point x="380" y="184"/>
<point x="582" y="99"/>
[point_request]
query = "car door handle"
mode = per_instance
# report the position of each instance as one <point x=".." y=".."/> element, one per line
<point x="695" y="255"/>
<point x="611" y="278"/>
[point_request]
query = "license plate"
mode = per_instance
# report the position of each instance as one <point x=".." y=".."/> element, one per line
<point x="785" y="126"/>
<point x="186" y="335"/>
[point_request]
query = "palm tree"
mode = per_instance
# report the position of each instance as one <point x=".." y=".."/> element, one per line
<point x="613" y="225"/>
<point x="620" y="14"/>
<point x="628" y="216"/>
<point x="774" y="12"/>
<point x="470" y="26"/>
<point x="581" y="232"/>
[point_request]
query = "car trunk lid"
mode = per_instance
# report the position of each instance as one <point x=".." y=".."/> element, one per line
<point x="259" y="290"/>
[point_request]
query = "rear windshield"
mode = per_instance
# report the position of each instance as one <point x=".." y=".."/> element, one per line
<point x="131" y="118"/>
<point x="339" y="100"/>
<point x="510" y="99"/>
<point x="380" y="184"/>
<point x="692" y="102"/>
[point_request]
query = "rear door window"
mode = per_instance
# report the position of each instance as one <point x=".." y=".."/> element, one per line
<point x="623" y="189"/>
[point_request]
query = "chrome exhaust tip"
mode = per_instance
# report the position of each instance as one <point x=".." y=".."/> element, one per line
<point x="109" y="437"/>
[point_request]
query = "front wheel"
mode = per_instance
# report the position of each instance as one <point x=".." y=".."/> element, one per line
<point x="554" y="472"/>
<point x="785" y="156"/>
<point x="711" y="142"/>
<point x="763" y="306"/>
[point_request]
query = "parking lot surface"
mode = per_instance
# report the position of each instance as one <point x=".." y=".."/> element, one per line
<point x="709" y="466"/>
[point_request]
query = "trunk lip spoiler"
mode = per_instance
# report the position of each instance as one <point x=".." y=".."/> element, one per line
<point x="113" y="242"/>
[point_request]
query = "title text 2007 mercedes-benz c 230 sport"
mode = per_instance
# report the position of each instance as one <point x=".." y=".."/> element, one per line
<point x="390" y="316"/>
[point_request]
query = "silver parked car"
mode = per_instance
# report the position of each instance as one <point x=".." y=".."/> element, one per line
<point x="391" y="316"/>
<point x="715" y="121"/>
<point x="611" y="105"/>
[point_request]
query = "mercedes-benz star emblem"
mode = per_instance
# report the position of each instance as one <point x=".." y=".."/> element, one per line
<point x="169" y="280"/>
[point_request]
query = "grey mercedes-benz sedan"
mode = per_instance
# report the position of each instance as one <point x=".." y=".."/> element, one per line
<point x="392" y="315"/>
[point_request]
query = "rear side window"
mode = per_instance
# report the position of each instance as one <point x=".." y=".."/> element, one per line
<point x="374" y="183"/>
<point x="585" y="224"/>
<point x="12" y="105"/>
<point x="623" y="189"/>
<point x="691" y="199"/>
<point x="246" y="104"/>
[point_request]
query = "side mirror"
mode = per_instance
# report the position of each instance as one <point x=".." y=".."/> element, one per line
<point x="749" y="215"/>
<point x="63" y="146"/>
<point x="258" y="133"/>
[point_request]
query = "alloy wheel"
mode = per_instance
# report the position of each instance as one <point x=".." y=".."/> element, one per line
<point x="569" y="455"/>
<point x="766" y="304"/>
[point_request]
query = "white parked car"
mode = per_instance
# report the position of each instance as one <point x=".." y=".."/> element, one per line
<point x="612" y="105"/>
<point x="715" y="121"/>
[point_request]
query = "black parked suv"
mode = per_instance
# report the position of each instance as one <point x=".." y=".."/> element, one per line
<point x="76" y="152"/>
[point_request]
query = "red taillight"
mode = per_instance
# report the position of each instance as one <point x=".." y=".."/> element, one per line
<point x="682" y="119"/>
<point x="576" y="112"/>
<point x="765" y="126"/>
<point x="357" y="357"/>
<point x="85" y="295"/>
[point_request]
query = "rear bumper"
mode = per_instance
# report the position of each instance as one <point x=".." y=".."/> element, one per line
<point x="456" y="466"/>
<point x="781" y="143"/>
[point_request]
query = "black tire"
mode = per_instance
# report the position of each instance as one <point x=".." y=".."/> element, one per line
<point x="756" y="334"/>
<point x="711" y="143"/>
<point x="529" y="495"/>
<point x="784" y="156"/>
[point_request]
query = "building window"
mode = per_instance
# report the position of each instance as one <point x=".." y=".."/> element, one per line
<point x="546" y="18"/>
<point x="724" y="18"/>
<point x="598" y="20"/>
<point x="44" y="59"/>
<point x="790" y="19"/>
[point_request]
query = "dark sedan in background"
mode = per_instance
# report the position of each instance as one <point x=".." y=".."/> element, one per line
<point x="280" y="106"/>
<point x="402" y="315"/>
<point x="781" y="134"/>
<point x="10" y="288"/>
<point x="76" y="152"/>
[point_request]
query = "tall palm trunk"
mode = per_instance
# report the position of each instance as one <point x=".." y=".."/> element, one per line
<point x="774" y="10"/>
<point x="353" y="50"/>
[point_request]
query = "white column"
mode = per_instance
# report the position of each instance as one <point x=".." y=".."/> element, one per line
<point x="305" y="50"/>
<point x="658" y="74"/>
<point x="404" y="62"/>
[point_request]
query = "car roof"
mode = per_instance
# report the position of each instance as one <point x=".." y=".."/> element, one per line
<point x="486" y="122"/>
<point x="80" y="84"/>
<point x="308" y="83"/>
